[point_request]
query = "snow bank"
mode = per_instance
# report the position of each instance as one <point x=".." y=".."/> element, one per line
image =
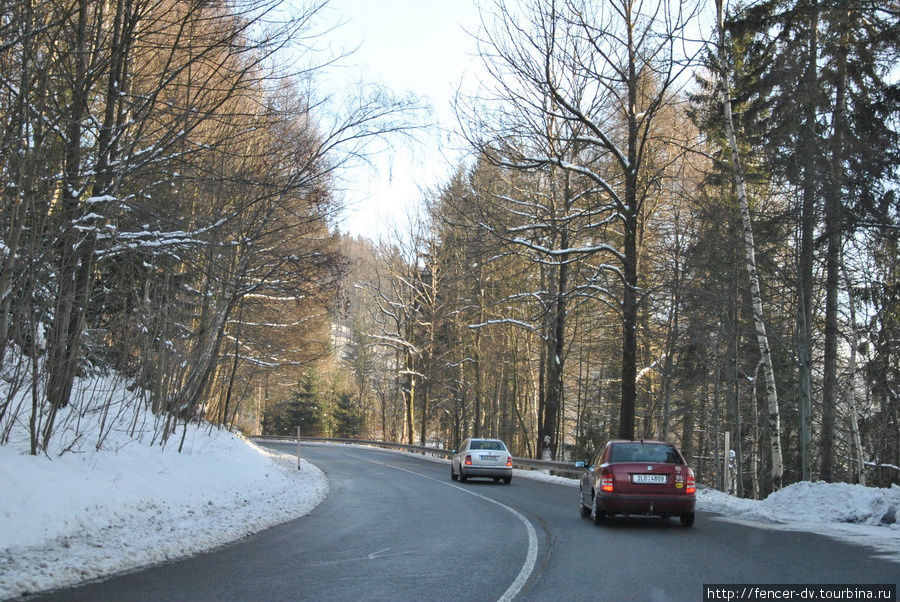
<point x="861" y="515"/>
<point x="87" y="513"/>
<point x="812" y="502"/>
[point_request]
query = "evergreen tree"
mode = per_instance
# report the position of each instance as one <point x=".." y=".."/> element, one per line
<point x="304" y="409"/>
<point x="348" y="419"/>
<point x="822" y="107"/>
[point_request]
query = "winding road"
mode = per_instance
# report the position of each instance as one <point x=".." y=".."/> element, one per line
<point x="395" y="527"/>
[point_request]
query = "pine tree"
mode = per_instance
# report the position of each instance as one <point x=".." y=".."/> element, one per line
<point x="823" y="86"/>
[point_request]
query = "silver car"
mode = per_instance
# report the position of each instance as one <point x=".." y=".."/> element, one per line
<point x="482" y="458"/>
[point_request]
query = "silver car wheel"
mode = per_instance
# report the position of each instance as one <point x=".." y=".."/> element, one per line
<point x="585" y="511"/>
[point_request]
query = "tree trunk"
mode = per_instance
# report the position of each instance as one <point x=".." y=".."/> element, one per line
<point x="629" y="315"/>
<point x="737" y="423"/>
<point x="629" y="297"/>
<point x="555" y="355"/>
<point x="717" y="412"/>
<point x="423" y="433"/>
<point x="64" y="342"/>
<point x="806" y="259"/>
<point x="774" y="417"/>
<point x="19" y="181"/>
<point x="410" y="395"/>
<point x="754" y="441"/>
<point x="851" y="382"/>
<point x="833" y="227"/>
<point x="671" y="337"/>
<point x="478" y="370"/>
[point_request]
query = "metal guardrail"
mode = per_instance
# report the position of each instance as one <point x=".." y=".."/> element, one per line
<point x="559" y="468"/>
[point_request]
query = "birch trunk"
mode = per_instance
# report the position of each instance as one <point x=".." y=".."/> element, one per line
<point x="754" y="443"/>
<point x="774" y="418"/>
<point x="851" y="394"/>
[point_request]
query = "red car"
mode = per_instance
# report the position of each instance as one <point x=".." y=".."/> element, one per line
<point x="638" y="477"/>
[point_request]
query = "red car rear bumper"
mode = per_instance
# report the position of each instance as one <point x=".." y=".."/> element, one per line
<point x="614" y="503"/>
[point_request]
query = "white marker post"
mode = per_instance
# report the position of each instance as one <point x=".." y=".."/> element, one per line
<point x="726" y="477"/>
<point x="298" y="448"/>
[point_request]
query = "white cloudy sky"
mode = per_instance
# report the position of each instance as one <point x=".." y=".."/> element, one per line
<point x="418" y="47"/>
<point x="426" y="48"/>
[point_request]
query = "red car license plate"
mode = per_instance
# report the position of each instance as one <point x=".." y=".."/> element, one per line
<point x="651" y="479"/>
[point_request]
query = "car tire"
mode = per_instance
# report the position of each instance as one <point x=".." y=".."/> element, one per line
<point x="687" y="519"/>
<point x="597" y="515"/>
<point x="507" y="480"/>
<point x="585" y="511"/>
<point x="453" y="475"/>
<point x="462" y="476"/>
<point x="496" y="480"/>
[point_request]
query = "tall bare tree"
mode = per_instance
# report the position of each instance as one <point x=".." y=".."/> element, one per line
<point x="603" y="72"/>
<point x="774" y="414"/>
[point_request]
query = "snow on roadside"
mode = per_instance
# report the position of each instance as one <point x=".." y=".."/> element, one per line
<point x="86" y="514"/>
<point x="811" y="502"/>
<point x="861" y="515"/>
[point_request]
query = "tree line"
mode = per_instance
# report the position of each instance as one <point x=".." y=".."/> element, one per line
<point x="656" y="238"/>
<point x="167" y="206"/>
<point x="676" y="221"/>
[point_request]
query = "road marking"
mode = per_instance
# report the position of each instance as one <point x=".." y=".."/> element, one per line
<point x="373" y="556"/>
<point x="530" y="558"/>
<point x="379" y="554"/>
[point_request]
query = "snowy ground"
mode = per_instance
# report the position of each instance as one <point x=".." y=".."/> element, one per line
<point x="865" y="516"/>
<point x="85" y="514"/>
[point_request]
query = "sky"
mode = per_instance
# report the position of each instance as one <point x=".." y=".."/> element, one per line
<point x="412" y="47"/>
<point x="423" y="47"/>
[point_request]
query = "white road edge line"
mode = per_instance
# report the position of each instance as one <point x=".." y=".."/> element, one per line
<point x="530" y="559"/>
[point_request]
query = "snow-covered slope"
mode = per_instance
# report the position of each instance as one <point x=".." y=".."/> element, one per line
<point x="87" y="513"/>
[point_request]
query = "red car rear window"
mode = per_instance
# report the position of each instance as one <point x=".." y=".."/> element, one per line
<point x="644" y="452"/>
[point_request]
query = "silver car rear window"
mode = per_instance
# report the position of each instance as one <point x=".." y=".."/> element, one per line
<point x="490" y="445"/>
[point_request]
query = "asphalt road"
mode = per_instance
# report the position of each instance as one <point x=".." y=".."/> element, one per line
<point x="395" y="527"/>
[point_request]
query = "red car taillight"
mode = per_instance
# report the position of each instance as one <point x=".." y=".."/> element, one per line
<point x="509" y="461"/>
<point x="691" y="483"/>
<point x="606" y="481"/>
<point x="468" y="460"/>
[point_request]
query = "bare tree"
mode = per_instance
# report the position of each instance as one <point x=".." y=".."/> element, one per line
<point x="163" y="150"/>
<point x="588" y="79"/>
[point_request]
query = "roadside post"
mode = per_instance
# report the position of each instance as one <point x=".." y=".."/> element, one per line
<point x="298" y="448"/>
<point x="726" y="461"/>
